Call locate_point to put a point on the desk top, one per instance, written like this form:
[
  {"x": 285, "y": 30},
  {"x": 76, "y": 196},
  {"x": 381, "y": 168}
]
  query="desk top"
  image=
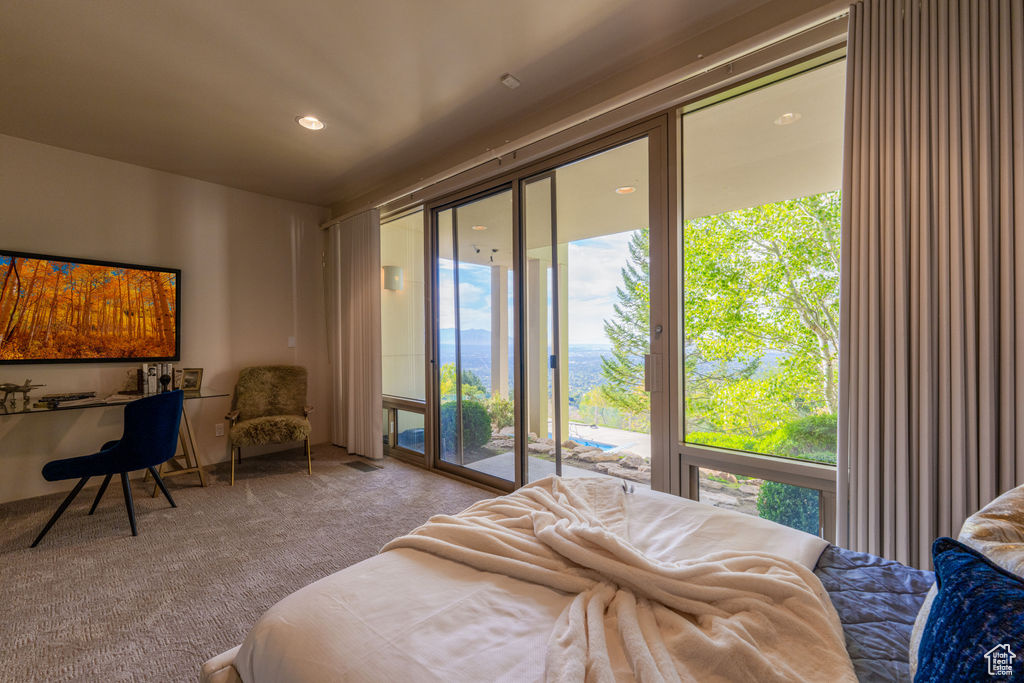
[{"x": 26, "y": 407}]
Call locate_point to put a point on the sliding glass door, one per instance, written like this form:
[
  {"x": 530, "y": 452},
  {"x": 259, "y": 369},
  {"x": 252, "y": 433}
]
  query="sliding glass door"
[
  {"x": 543, "y": 324},
  {"x": 474, "y": 342},
  {"x": 587, "y": 305}
]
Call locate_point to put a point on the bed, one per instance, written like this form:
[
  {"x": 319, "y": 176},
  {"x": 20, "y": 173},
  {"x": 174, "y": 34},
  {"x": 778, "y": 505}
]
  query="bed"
[{"x": 412, "y": 614}]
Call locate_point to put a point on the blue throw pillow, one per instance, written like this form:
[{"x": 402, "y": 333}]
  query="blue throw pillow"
[{"x": 975, "y": 630}]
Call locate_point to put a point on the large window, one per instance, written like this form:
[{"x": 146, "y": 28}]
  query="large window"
[
  {"x": 401, "y": 307},
  {"x": 761, "y": 209},
  {"x": 403, "y": 320}
]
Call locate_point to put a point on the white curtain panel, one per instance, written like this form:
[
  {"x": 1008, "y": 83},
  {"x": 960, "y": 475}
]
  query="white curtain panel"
[
  {"x": 353, "y": 334},
  {"x": 931, "y": 422}
]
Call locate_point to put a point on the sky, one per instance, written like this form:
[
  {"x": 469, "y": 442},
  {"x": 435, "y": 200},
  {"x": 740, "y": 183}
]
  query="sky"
[{"x": 595, "y": 270}]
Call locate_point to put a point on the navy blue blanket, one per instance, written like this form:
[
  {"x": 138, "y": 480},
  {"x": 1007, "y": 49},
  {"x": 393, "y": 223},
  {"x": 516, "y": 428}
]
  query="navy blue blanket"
[{"x": 877, "y": 601}]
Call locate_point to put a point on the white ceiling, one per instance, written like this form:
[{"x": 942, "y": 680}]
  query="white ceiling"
[
  {"x": 735, "y": 156},
  {"x": 211, "y": 89}
]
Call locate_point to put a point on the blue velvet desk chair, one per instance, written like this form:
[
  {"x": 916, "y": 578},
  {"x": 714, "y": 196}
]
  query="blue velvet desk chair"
[{"x": 150, "y": 438}]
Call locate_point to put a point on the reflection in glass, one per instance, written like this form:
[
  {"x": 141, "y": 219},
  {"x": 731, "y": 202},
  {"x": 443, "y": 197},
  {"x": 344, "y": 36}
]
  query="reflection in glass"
[
  {"x": 401, "y": 307},
  {"x": 410, "y": 431}
]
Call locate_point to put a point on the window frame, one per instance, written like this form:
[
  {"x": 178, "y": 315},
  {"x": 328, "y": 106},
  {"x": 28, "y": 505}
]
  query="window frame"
[
  {"x": 390, "y": 403},
  {"x": 394, "y": 404},
  {"x": 691, "y": 457}
]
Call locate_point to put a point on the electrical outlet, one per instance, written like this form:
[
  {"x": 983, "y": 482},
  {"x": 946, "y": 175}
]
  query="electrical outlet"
[
  {"x": 218, "y": 429},
  {"x": 291, "y": 342}
]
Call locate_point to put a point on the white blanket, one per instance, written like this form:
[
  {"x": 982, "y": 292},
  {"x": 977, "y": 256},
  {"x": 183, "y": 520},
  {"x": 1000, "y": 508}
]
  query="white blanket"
[
  {"x": 729, "y": 615},
  {"x": 414, "y": 616}
]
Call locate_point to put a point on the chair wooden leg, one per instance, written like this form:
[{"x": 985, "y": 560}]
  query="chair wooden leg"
[
  {"x": 309, "y": 459},
  {"x": 128, "y": 503},
  {"x": 233, "y": 449},
  {"x": 160, "y": 483},
  {"x": 60, "y": 511},
  {"x": 99, "y": 494}
]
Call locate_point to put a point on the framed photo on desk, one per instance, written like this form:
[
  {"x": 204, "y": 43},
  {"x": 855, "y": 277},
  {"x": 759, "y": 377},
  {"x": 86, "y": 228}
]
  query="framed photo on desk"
[{"x": 192, "y": 379}]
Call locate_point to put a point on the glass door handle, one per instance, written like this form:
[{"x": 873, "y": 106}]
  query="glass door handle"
[{"x": 652, "y": 372}]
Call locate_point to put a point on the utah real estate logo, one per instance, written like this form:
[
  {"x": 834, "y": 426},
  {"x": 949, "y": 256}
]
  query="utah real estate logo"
[{"x": 1000, "y": 660}]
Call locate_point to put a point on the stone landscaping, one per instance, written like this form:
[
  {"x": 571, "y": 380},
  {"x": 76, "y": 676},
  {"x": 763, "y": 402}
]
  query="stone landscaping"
[
  {"x": 725, "y": 490},
  {"x": 721, "y": 489}
]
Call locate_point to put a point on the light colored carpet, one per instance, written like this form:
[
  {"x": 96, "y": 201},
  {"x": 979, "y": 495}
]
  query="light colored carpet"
[{"x": 92, "y": 603}]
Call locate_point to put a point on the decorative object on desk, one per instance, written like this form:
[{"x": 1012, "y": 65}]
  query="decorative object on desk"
[
  {"x": 132, "y": 382},
  {"x": 192, "y": 379},
  {"x": 165, "y": 382},
  {"x": 269, "y": 407},
  {"x": 54, "y": 400},
  {"x": 9, "y": 388},
  {"x": 150, "y": 439},
  {"x": 137, "y": 319}
]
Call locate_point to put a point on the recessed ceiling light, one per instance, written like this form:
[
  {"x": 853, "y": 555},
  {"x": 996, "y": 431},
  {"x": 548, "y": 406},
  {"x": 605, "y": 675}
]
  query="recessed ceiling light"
[
  {"x": 510, "y": 81},
  {"x": 479, "y": 228},
  {"x": 787, "y": 118},
  {"x": 625, "y": 189},
  {"x": 310, "y": 122}
]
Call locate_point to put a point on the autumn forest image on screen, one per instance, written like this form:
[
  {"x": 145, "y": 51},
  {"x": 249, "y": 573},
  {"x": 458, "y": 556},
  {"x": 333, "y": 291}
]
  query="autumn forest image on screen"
[{"x": 62, "y": 310}]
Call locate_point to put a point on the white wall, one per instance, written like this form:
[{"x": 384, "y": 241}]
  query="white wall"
[
  {"x": 250, "y": 279},
  {"x": 403, "y": 360}
]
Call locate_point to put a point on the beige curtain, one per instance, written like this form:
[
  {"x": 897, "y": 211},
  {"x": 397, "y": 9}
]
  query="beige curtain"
[
  {"x": 932, "y": 354},
  {"x": 352, "y": 275}
]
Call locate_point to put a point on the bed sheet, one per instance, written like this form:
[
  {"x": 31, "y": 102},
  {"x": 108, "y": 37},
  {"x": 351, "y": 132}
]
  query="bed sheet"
[{"x": 408, "y": 615}]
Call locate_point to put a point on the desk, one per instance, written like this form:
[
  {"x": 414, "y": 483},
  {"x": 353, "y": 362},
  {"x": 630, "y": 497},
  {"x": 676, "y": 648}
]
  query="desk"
[{"x": 186, "y": 462}]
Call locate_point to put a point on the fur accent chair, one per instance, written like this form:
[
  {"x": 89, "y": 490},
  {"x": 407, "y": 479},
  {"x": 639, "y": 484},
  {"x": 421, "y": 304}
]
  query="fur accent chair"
[{"x": 269, "y": 407}]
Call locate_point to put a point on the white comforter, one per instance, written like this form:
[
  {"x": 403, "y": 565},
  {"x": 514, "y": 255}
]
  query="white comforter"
[{"x": 562, "y": 579}]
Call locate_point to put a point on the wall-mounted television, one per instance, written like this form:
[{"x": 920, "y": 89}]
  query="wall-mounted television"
[{"x": 63, "y": 310}]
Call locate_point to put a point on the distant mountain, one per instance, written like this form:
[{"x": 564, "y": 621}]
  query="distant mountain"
[
  {"x": 475, "y": 337},
  {"x": 467, "y": 338}
]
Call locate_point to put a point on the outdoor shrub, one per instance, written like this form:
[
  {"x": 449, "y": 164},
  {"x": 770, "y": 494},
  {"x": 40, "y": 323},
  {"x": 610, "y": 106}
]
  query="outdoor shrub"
[
  {"x": 803, "y": 438},
  {"x": 501, "y": 411},
  {"x": 736, "y": 442},
  {"x": 476, "y": 425},
  {"x": 793, "y": 506}
]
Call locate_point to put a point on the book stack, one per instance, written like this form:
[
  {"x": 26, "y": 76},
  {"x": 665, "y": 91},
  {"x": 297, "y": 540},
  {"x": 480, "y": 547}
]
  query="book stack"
[{"x": 149, "y": 377}]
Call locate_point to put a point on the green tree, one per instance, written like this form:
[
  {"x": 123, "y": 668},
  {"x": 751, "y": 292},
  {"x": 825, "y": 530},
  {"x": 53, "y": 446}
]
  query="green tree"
[
  {"x": 629, "y": 332},
  {"x": 594, "y": 404},
  {"x": 762, "y": 315},
  {"x": 501, "y": 410},
  {"x": 472, "y": 386}
]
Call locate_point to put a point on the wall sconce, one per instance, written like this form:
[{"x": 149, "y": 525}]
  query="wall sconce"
[{"x": 393, "y": 278}]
